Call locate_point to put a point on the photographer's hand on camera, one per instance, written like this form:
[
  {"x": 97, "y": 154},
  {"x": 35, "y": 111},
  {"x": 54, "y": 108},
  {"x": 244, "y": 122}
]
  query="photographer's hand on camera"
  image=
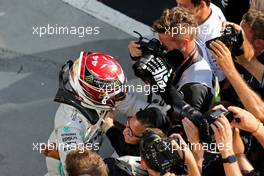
[
  {"x": 223, "y": 56},
  {"x": 185, "y": 153},
  {"x": 224, "y": 140},
  {"x": 223, "y": 136},
  {"x": 192, "y": 133},
  {"x": 134, "y": 49},
  {"x": 236, "y": 27},
  {"x": 248, "y": 123}
]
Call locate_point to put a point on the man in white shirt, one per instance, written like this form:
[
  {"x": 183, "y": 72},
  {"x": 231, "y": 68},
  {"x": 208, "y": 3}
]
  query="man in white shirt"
[{"x": 210, "y": 21}]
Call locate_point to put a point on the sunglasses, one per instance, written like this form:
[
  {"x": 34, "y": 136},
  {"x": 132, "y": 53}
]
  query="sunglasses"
[{"x": 130, "y": 131}]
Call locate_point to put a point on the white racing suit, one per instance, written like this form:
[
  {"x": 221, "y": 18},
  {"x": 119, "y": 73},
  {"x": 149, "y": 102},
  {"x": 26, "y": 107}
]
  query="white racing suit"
[{"x": 73, "y": 131}]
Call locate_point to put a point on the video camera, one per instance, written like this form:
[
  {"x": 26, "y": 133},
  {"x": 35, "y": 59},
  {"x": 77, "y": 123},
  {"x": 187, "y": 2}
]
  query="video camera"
[
  {"x": 159, "y": 154},
  {"x": 231, "y": 39}
]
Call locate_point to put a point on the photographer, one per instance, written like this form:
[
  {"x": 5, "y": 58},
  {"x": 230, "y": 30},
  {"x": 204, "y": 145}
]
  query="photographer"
[
  {"x": 252, "y": 25},
  {"x": 160, "y": 155},
  {"x": 194, "y": 76},
  {"x": 126, "y": 142},
  {"x": 210, "y": 19},
  {"x": 198, "y": 152}
]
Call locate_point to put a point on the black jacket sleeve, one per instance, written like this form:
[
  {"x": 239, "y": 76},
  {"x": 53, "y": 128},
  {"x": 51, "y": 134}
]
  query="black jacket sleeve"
[
  {"x": 197, "y": 95},
  {"x": 118, "y": 142}
]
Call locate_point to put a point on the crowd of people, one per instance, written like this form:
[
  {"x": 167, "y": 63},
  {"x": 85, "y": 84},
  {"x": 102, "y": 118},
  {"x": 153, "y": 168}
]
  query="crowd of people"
[{"x": 208, "y": 120}]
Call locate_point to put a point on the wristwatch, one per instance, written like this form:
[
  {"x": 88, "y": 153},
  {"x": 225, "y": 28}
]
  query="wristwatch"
[{"x": 230, "y": 159}]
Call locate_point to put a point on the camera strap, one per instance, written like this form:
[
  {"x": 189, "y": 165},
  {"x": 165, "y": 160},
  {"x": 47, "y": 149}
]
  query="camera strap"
[{"x": 190, "y": 60}]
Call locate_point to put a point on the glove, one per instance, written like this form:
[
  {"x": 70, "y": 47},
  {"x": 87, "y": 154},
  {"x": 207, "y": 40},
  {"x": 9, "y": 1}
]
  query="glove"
[{"x": 160, "y": 72}]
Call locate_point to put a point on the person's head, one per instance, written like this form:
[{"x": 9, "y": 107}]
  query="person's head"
[
  {"x": 97, "y": 80},
  {"x": 150, "y": 134},
  {"x": 137, "y": 124},
  {"x": 177, "y": 29},
  {"x": 197, "y": 7},
  {"x": 253, "y": 24},
  {"x": 85, "y": 162}
]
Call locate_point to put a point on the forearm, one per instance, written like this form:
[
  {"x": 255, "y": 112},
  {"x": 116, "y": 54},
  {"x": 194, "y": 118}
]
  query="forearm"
[
  {"x": 249, "y": 98},
  {"x": 244, "y": 164},
  {"x": 255, "y": 68},
  {"x": 231, "y": 169},
  {"x": 198, "y": 156},
  {"x": 192, "y": 167},
  {"x": 259, "y": 134}
]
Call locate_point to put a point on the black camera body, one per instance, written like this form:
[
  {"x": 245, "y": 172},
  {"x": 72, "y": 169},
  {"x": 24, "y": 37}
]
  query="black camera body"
[
  {"x": 180, "y": 109},
  {"x": 160, "y": 155},
  {"x": 231, "y": 39},
  {"x": 213, "y": 116},
  {"x": 151, "y": 49}
]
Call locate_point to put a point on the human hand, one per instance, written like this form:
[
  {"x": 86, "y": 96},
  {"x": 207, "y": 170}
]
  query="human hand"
[
  {"x": 247, "y": 121},
  {"x": 237, "y": 27},
  {"x": 181, "y": 147},
  {"x": 220, "y": 106},
  {"x": 169, "y": 174},
  {"x": 223, "y": 136},
  {"x": 222, "y": 55},
  {"x": 134, "y": 49},
  {"x": 108, "y": 121},
  {"x": 160, "y": 71},
  {"x": 191, "y": 131},
  {"x": 238, "y": 145}
]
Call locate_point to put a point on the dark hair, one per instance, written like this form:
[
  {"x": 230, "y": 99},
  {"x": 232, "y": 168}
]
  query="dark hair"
[
  {"x": 151, "y": 118},
  {"x": 255, "y": 19},
  {"x": 197, "y": 2},
  {"x": 85, "y": 162}
]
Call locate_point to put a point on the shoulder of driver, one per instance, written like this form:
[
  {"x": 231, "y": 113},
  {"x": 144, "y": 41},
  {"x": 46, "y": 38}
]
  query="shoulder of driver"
[{"x": 68, "y": 116}]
